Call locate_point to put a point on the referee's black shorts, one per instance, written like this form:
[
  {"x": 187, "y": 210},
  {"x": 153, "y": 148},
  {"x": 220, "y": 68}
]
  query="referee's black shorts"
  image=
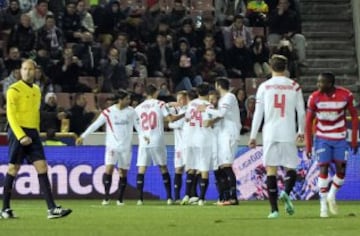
[{"x": 31, "y": 153}]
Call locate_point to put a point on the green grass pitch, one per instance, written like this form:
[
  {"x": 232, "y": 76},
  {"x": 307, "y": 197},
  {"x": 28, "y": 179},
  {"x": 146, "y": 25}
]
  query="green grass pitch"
[{"x": 156, "y": 218}]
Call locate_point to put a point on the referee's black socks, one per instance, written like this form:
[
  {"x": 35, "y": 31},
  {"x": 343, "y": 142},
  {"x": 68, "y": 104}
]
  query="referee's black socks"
[{"x": 46, "y": 190}]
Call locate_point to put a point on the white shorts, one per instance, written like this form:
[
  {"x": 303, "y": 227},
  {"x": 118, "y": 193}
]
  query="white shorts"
[
  {"x": 226, "y": 149},
  {"x": 151, "y": 155},
  {"x": 280, "y": 154},
  {"x": 199, "y": 158},
  {"x": 121, "y": 157},
  {"x": 179, "y": 156}
]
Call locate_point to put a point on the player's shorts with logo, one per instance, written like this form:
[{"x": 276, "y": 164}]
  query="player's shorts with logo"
[{"x": 327, "y": 151}]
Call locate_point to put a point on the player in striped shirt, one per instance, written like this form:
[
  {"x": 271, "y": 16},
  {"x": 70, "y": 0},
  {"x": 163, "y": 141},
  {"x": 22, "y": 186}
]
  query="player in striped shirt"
[
  {"x": 120, "y": 120},
  {"x": 327, "y": 107}
]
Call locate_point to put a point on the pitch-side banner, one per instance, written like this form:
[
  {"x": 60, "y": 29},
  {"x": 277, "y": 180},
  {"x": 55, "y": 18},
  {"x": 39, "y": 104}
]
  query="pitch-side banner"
[{"x": 76, "y": 172}]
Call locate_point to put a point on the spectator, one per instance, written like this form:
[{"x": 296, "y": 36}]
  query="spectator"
[
  {"x": 256, "y": 12},
  {"x": 138, "y": 91},
  {"x": 138, "y": 67},
  {"x": 12, "y": 78},
  {"x": 89, "y": 53},
  {"x": 165, "y": 94},
  {"x": 10, "y": 16},
  {"x": 241, "y": 98},
  {"x": 23, "y": 36},
  {"x": 260, "y": 57},
  {"x": 66, "y": 74},
  {"x": 209, "y": 43},
  {"x": 43, "y": 60},
  {"x": 238, "y": 60},
  {"x": 113, "y": 72},
  {"x": 250, "y": 109},
  {"x": 13, "y": 61},
  {"x": 56, "y": 7},
  {"x": 50, "y": 38},
  {"x": 38, "y": 14},
  {"x": 285, "y": 48},
  {"x": 121, "y": 44},
  {"x": 187, "y": 31},
  {"x": 86, "y": 18},
  {"x": 104, "y": 27},
  {"x": 284, "y": 23},
  {"x": 208, "y": 27},
  {"x": 210, "y": 69},
  {"x": 236, "y": 29},
  {"x": 177, "y": 15},
  {"x": 69, "y": 22},
  {"x": 80, "y": 119},
  {"x": 151, "y": 20},
  {"x": 43, "y": 81},
  {"x": 51, "y": 114},
  {"x": 164, "y": 29},
  {"x": 184, "y": 67},
  {"x": 160, "y": 57}
]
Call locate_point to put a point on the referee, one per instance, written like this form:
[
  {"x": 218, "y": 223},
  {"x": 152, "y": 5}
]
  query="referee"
[{"x": 23, "y": 100}]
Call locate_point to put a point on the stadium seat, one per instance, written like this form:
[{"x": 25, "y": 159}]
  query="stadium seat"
[
  {"x": 252, "y": 84},
  {"x": 101, "y": 100},
  {"x": 89, "y": 81},
  {"x": 64, "y": 100}
]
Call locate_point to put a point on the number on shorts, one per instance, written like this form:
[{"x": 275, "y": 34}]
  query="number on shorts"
[
  {"x": 280, "y": 104},
  {"x": 148, "y": 120},
  {"x": 195, "y": 118}
]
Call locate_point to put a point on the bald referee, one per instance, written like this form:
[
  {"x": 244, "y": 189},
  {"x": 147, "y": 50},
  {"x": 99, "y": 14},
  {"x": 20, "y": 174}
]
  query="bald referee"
[{"x": 23, "y": 100}]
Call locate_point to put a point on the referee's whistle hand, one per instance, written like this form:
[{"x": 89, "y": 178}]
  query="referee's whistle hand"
[{"x": 25, "y": 141}]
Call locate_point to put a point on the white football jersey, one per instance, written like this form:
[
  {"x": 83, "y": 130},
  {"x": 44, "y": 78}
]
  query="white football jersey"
[
  {"x": 231, "y": 120},
  {"x": 228, "y": 110},
  {"x": 177, "y": 126},
  {"x": 119, "y": 126},
  {"x": 196, "y": 134},
  {"x": 151, "y": 115},
  {"x": 278, "y": 100}
]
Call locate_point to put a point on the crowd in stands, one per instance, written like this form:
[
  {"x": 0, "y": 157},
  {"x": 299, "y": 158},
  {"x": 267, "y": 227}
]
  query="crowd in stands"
[{"x": 87, "y": 49}]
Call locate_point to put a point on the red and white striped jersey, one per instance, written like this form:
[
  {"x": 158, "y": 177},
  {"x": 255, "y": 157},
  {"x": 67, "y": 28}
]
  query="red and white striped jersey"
[
  {"x": 330, "y": 113},
  {"x": 151, "y": 113},
  {"x": 119, "y": 126}
]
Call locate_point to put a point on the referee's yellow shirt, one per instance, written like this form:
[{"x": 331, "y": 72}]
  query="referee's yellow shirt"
[{"x": 23, "y": 107}]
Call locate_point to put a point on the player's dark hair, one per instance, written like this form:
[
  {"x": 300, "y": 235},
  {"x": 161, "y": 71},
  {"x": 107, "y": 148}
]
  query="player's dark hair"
[
  {"x": 150, "y": 89},
  {"x": 278, "y": 63},
  {"x": 203, "y": 89},
  {"x": 214, "y": 92},
  {"x": 223, "y": 83},
  {"x": 192, "y": 93},
  {"x": 121, "y": 94},
  {"x": 329, "y": 77}
]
